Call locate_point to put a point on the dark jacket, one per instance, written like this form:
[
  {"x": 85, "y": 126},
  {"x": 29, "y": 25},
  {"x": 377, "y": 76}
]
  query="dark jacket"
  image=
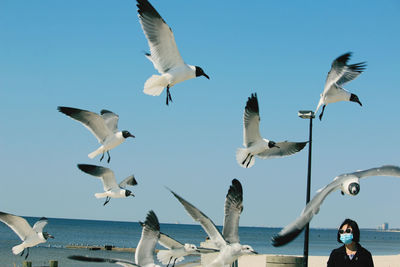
[{"x": 339, "y": 258}]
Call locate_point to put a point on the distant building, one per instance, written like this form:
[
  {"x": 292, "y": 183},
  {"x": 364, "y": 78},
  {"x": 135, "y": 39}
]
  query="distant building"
[{"x": 384, "y": 226}]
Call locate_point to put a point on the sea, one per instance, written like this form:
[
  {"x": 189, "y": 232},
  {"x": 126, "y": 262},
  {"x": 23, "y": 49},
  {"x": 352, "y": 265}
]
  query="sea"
[{"x": 127, "y": 234}]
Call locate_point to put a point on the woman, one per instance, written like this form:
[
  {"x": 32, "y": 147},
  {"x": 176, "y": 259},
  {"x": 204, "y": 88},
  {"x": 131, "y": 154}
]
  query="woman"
[{"x": 352, "y": 253}]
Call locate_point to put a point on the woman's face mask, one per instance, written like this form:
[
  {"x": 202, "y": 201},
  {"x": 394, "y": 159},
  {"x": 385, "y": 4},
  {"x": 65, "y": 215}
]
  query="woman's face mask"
[{"x": 346, "y": 238}]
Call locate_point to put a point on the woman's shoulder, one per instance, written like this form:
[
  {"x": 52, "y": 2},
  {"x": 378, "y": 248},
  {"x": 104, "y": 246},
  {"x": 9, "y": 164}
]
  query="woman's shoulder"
[
  {"x": 338, "y": 250},
  {"x": 363, "y": 250}
]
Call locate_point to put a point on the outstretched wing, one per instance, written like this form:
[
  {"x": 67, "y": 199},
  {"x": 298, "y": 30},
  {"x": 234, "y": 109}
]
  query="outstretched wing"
[
  {"x": 168, "y": 242},
  {"x": 111, "y": 119},
  {"x": 130, "y": 180},
  {"x": 205, "y": 222},
  {"x": 105, "y": 174},
  {"x": 233, "y": 209},
  {"x": 251, "y": 121},
  {"x": 39, "y": 225},
  {"x": 290, "y": 232},
  {"x": 92, "y": 121},
  {"x": 18, "y": 224},
  {"x": 282, "y": 149},
  {"x": 163, "y": 49},
  {"x": 150, "y": 235}
]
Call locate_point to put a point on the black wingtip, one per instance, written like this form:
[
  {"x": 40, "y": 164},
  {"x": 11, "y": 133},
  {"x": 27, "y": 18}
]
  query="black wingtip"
[
  {"x": 301, "y": 145},
  {"x": 67, "y": 110},
  {"x": 152, "y": 221},
  {"x": 280, "y": 240},
  {"x": 144, "y": 7},
  {"x": 85, "y": 258},
  {"x": 344, "y": 58},
  {"x": 252, "y": 103},
  {"x": 103, "y": 111},
  {"x": 87, "y": 168},
  {"x": 236, "y": 190}
]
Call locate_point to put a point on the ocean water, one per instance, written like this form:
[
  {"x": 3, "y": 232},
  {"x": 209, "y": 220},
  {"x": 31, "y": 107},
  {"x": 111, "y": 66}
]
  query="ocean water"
[{"x": 127, "y": 234}]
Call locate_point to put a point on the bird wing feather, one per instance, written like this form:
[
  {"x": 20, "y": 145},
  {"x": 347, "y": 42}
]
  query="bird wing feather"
[
  {"x": 18, "y": 224},
  {"x": 233, "y": 209},
  {"x": 282, "y": 149},
  {"x": 251, "y": 121}
]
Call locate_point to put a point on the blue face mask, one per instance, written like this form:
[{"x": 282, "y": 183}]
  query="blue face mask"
[{"x": 346, "y": 238}]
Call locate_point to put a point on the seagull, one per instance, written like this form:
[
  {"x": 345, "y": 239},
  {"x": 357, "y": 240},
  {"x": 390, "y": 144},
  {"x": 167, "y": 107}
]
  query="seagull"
[
  {"x": 348, "y": 184},
  {"x": 111, "y": 188},
  {"x": 31, "y": 236},
  {"x": 229, "y": 246},
  {"x": 254, "y": 144},
  {"x": 163, "y": 54},
  {"x": 144, "y": 251},
  {"x": 177, "y": 251},
  {"x": 340, "y": 74},
  {"x": 104, "y": 127}
]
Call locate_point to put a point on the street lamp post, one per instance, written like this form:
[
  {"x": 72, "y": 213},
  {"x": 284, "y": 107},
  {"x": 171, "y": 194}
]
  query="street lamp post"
[{"x": 307, "y": 114}]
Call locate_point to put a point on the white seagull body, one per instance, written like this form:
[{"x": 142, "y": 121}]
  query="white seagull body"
[
  {"x": 164, "y": 53},
  {"x": 31, "y": 236},
  {"x": 144, "y": 250},
  {"x": 177, "y": 251},
  {"x": 340, "y": 74},
  {"x": 104, "y": 127},
  {"x": 111, "y": 188},
  {"x": 229, "y": 246},
  {"x": 257, "y": 146},
  {"x": 348, "y": 183}
]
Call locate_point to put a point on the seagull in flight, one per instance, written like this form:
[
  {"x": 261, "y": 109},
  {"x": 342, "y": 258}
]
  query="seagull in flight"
[
  {"x": 340, "y": 74},
  {"x": 254, "y": 144},
  {"x": 111, "y": 188},
  {"x": 31, "y": 236},
  {"x": 228, "y": 242},
  {"x": 163, "y": 54},
  {"x": 144, "y": 251},
  {"x": 176, "y": 251},
  {"x": 348, "y": 184},
  {"x": 104, "y": 127}
]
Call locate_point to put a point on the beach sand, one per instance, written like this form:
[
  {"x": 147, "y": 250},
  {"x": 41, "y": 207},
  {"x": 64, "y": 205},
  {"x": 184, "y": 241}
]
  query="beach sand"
[{"x": 379, "y": 261}]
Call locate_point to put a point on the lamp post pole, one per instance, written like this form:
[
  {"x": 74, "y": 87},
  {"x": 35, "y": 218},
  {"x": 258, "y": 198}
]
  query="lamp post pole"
[{"x": 306, "y": 114}]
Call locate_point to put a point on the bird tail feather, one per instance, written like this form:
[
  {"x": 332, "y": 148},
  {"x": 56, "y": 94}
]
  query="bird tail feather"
[
  {"x": 155, "y": 85},
  {"x": 243, "y": 158},
  {"x": 96, "y": 152},
  {"x": 18, "y": 249},
  {"x": 99, "y": 195}
]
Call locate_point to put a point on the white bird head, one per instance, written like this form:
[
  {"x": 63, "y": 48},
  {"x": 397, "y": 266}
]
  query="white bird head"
[
  {"x": 190, "y": 248},
  {"x": 351, "y": 186},
  {"x": 246, "y": 249}
]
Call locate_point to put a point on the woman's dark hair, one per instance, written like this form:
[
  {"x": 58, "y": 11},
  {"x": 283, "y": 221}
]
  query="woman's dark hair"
[{"x": 354, "y": 227}]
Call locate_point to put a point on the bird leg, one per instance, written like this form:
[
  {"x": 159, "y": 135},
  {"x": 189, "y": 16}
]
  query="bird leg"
[
  {"x": 322, "y": 112},
  {"x": 169, "y": 98},
  {"x": 174, "y": 262},
  {"x": 245, "y": 159},
  {"x": 251, "y": 157},
  {"x": 107, "y": 200},
  {"x": 22, "y": 253},
  {"x": 169, "y": 261},
  {"x": 27, "y": 254},
  {"x": 109, "y": 157},
  {"x": 102, "y": 157}
]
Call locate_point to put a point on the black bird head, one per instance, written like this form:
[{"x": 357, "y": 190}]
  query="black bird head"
[
  {"x": 200, "y": 72},
  {"x": 354, "y": 98},
  {"x": 47, "y": 235},
  {"x": 128, "y": 193},
  {"x": 272, "y": 144},
  {"x": 127, "y": 134}
]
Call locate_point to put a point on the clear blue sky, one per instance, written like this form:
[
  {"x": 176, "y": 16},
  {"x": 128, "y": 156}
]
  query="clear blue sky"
[{"x": 89, "y": 55}]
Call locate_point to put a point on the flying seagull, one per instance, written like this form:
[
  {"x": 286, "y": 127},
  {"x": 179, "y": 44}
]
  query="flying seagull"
[
  {"x": 104, "y": 127},
  {"x": 111, "y": 188},
  {"x": 31, "y": 236},
  {"x": 348, "y": 183},
  {"x": 254, "y": 144},
  {"x": 340, "y": 74},
  {"x": 228, "y": 244},
  {"x": 144, "y": 251},
  {"x": 176, "y": 251},
  {"x": 163, "y": 54}
]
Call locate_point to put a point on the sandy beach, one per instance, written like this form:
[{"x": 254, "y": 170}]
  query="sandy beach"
[{"x": 379, "y": 261}]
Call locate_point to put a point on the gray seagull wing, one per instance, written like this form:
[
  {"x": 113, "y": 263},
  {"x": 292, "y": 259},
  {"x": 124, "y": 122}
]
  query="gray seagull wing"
[
  {"x": 130, "y": 180},
  {"x": 291, "y": 231},
  {"x": 233, "y": 209},
  {"x": 39, "y": 225},
  {"x": 105, "y": 174},
  {"x": 163, "y": 49},
  {"x": 282, "y": 149},
  {"x": 168, "y": 242},
  {"x": 251, "y": 121},
  {"x": 111, "y": 120},
  {"x": 18, "y": 224},
  {"x": 147, "y": 243},
  {"x": 205, "y": 222},
  {"x": 92, "y": 121}
]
